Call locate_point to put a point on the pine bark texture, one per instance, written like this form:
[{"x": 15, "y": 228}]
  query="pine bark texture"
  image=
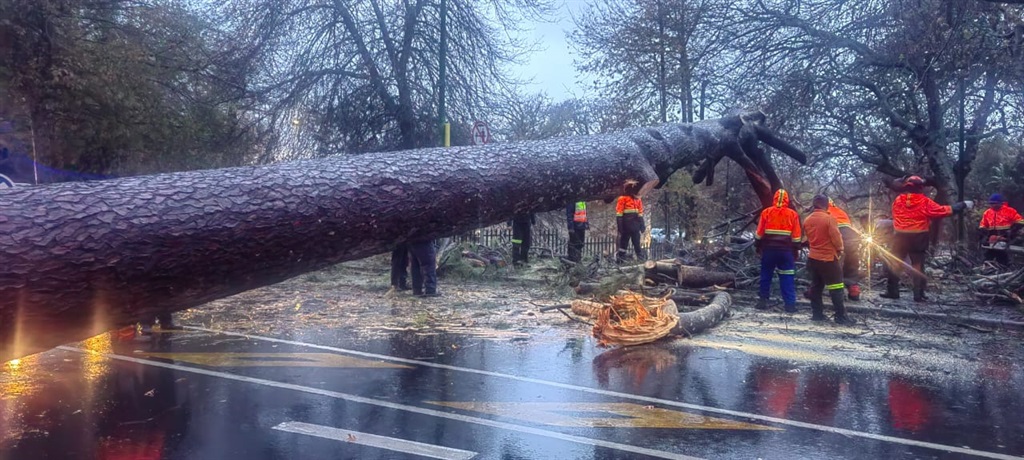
[
  {"x": 80, "y": 258},
  {"x": 696, "y": 321}
]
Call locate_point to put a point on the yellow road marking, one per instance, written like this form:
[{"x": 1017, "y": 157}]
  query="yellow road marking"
[
  {"x": 274, "y": 360},
  {"x": 601, "y": 415}
]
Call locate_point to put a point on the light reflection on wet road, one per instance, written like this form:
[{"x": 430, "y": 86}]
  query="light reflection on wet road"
[{"x": 223, "y": 396}]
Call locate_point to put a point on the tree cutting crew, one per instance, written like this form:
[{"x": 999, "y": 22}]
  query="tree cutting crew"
[
  {"x": 629, "y": 218},
  {"x": 824, "y": 260},
  {"x": 576, "y": 215},
  {"x": 778, "y": 241},
  {"x": 912, "y": 213},
  {"x": 999, "y": 225},
  {"x": 851, "y": 256}
]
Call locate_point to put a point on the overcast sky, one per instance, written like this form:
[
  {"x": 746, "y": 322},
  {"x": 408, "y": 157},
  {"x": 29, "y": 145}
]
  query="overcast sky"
[{"x": 552, "y": 68}]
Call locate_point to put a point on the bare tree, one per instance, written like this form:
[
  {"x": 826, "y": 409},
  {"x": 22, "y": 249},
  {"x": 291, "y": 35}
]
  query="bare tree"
[
  {"x": 887, "y": 82},
  {"x": 362, "y": 75},
  {"x": 651, "y": 53}
]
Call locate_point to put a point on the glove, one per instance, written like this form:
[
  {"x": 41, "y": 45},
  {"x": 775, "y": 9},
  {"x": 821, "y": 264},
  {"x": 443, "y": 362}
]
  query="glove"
[{"x": 959, "y": 207}]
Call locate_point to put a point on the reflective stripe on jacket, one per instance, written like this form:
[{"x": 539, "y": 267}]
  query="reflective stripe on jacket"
[
  {"x": 823, "y": 236},
  {"x": 842, "y": 218},
  {"x": 580, "y": 214},
  {"x": 913, "y": 213},
  {"x": 1001, "y": 219},
  {"x": 629, "y": 205},
  {"x": 779, "y": 225},
  {"x": 572, "y": 214}
]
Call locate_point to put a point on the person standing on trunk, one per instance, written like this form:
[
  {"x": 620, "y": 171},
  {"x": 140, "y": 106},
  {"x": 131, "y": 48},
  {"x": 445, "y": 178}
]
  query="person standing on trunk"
[
  {"x": 851, "y": 256},
  {"x": 576, "y": 215},
  {"x": 778, "y": 242},
  {"x": 629, "y": 219},
  {"x": 824, "y": 260},
  {"x": 912, "y": 213},
  {"x": 522, "y": 238}
]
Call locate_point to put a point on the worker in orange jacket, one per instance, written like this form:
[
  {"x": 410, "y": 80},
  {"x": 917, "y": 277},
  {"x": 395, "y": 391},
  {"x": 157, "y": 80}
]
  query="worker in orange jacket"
[
  {"x": 778, "y": 242},
  {"x": 629, "y": 218},
  {"x": 824, "y": 261},
  {"x": 912, "y": 213},
  {"x": 851, "y": 256},
  {"x": 999, "y": 224}
]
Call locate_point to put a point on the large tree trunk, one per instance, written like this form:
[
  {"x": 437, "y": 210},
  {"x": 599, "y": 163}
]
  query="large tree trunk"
[{"x": 81, "y": 258}]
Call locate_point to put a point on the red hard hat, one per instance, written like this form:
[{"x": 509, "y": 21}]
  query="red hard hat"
[{"x": 914, "y": 180}]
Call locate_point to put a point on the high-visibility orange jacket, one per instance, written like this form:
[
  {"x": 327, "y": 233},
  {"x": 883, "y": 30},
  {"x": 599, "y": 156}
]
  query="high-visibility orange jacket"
[
  {"x": 1001, "y": 219},
  {"x": 779, "y": 226},
  {"x": 629, "y": 205},
  {"x": 913, "y": 213},
  {"x": 842, "y": 218},
  {"x": 823, "y": 236}
]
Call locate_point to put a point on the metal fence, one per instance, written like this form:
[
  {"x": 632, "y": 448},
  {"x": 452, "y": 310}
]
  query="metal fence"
[{"x": 557, "y": 243}]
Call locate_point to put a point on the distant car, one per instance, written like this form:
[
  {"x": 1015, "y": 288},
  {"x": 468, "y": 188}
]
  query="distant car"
[{"x": 659, "y": 235}]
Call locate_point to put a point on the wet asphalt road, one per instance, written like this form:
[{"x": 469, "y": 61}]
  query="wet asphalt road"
[{"x": 207, "y": 395}]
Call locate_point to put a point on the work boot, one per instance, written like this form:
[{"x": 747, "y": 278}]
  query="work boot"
[
  {"x": 790, "y": 308},
  {"x": 844, "y": 320},
  {"x": 430, "y": 293},
  {"x": 818, "y": 316},
  {"x": 762, "y": 304},
  {"x": 838, "y": 296},
  {"x": 854, "y": 292},
  {"x": 891, "y": 292},
  {"x": 417, "y": 293},
  {"x": 402, "y": 287}
]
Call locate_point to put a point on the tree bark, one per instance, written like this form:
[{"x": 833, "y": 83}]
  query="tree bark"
[
  {"x": 81, "y": 258},
  {"x": 693, "y": 322}
]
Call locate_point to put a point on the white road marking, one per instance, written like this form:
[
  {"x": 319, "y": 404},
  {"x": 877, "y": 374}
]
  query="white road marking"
[
  {"x": 372, "y": 440},
  {"x": 666, "y": 402},
  {"x": 396, "y": 406}
]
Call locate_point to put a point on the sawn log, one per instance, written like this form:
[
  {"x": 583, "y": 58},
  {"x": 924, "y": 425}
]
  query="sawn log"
[
  {"x": 696, "y": 321},
  {"x": 81, "y": 258}
]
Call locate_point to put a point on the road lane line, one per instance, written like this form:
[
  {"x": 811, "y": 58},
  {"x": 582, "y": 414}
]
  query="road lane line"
[
  {"x": 396, "y": 406},
  {"x": 748, "y": 415},
  {"x": 372, "y": 440}
]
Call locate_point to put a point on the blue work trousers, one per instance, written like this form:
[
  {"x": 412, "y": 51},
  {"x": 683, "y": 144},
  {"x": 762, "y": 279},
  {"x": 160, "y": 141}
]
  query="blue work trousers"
[{"x": 781, "y": 261}]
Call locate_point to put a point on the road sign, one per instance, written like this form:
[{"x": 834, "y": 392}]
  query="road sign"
[{"x": 481, "y": 133}]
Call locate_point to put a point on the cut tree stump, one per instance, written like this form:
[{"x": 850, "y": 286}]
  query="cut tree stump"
[{"x": 82, "y": 258}]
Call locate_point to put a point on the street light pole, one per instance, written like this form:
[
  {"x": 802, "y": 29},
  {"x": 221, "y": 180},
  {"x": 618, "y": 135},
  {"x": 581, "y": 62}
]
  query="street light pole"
[{"x": 442, "y": 78}]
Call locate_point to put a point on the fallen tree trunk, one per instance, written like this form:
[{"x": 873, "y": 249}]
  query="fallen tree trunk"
[
  {"x": 697, "y": 321},
  {"x": 79, "y": 259},
  {"x": 685, "y": 275},
  {"x": 697, "y": 277}
]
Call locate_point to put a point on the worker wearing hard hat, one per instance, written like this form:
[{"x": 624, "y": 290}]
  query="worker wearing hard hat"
[
  {"x": 998, "y": 226},
  {"x": 912, "y": 213}
]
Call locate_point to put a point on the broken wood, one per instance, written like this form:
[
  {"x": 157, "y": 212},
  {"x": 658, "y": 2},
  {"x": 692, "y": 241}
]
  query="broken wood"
[
  {"x": 686, "y": 275},
  {"x": 82, "y": 258},
  {"x": 697, "y": 277},
  {"x": 694, "y": 322}
]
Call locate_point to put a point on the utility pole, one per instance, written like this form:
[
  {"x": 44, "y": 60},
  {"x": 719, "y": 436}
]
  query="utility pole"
[{"x": 442, "y": 78}]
